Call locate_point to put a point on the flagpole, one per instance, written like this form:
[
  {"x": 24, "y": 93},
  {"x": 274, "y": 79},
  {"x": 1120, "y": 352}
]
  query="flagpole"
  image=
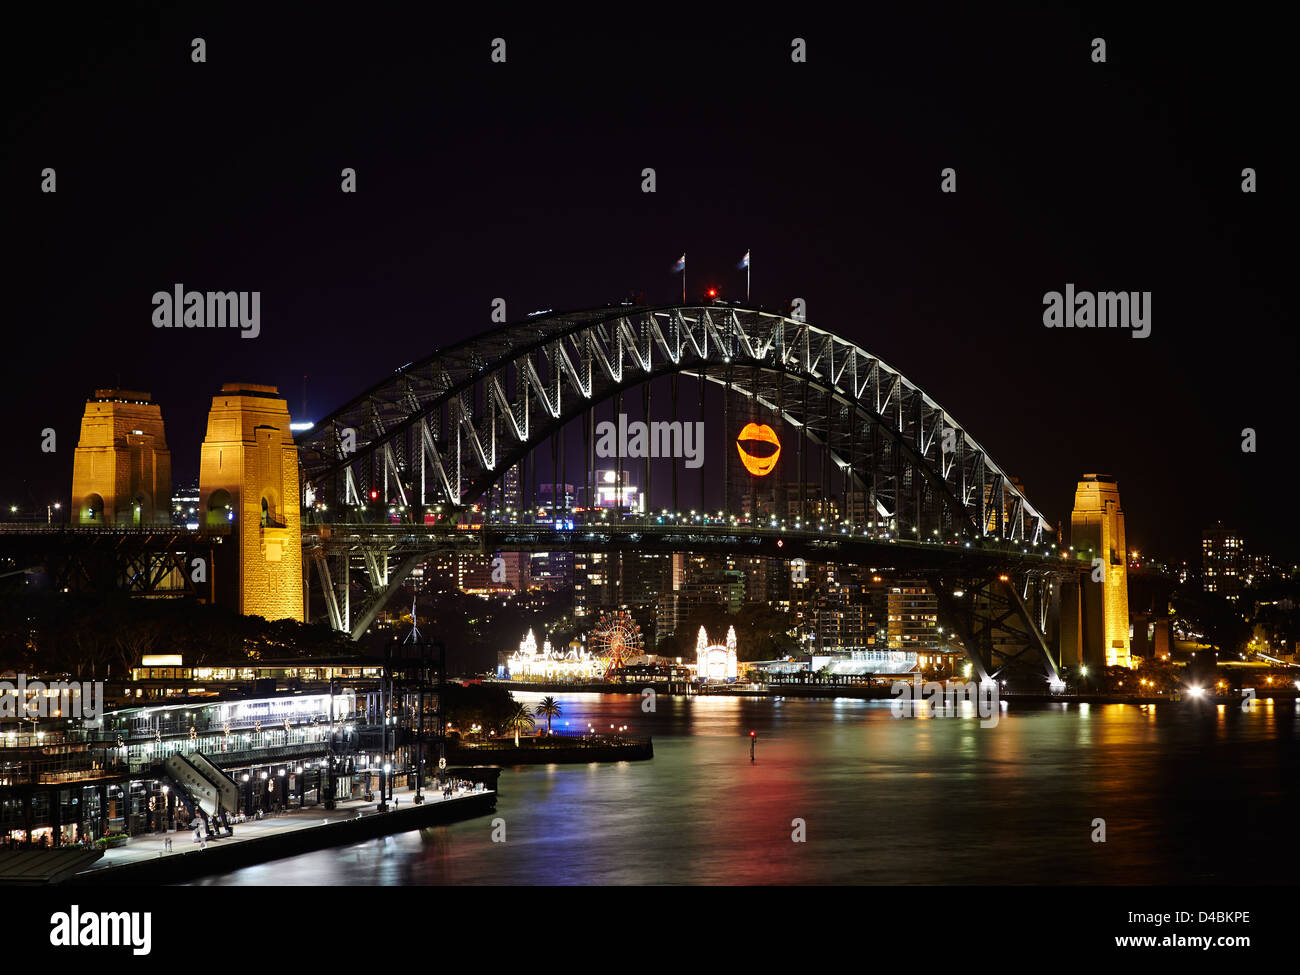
[
  {"x": 683, "y": 277},
  {"x": 748, "y": 261}
]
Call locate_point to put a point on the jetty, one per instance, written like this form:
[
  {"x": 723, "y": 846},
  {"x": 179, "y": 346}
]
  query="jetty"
[{"x": 175, "y": 856}]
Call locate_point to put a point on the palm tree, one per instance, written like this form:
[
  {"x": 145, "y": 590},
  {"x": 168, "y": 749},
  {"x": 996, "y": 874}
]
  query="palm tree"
[
  {"x": 519, "y": 719},
  {"x": 551, "y": 709}
]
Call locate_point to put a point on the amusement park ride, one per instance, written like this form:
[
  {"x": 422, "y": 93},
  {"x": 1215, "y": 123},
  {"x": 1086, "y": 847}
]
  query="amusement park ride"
[{"x": 616, "y": 640}]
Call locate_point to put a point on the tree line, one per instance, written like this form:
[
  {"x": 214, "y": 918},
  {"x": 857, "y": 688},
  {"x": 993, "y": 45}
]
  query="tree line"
[{"x": 102, "y": 636}]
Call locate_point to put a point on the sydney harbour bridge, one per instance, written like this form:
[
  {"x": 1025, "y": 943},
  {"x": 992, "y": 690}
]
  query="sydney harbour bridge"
[
  {"x": 415, "y": 466},
  {"x": 389, "y": 475}
]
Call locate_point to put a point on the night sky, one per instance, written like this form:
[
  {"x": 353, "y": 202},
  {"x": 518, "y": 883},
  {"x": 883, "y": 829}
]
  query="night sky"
[{"x": 523, "y": 181}]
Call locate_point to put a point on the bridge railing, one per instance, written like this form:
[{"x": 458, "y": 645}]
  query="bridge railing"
[
  {"x": 633, "y": 529},
  {"x": 37, "y": 528}
]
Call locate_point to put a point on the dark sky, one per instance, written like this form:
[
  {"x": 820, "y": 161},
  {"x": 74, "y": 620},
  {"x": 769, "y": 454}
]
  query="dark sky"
[{"x": 522, "y": 181}]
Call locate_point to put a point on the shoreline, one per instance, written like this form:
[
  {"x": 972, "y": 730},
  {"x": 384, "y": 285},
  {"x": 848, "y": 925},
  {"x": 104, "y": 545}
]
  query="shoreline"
[
  {"x": 280, "y": 837},
  {"x": 543, "y": 752},
  {"x": 882, "y": 693}
]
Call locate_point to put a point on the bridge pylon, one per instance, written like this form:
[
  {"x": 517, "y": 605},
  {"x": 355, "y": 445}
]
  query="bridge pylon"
[
  {"x": 248, "y": 481},
  {"x": 122, "y": 469},
  {"x": 1095, "y": 615}
]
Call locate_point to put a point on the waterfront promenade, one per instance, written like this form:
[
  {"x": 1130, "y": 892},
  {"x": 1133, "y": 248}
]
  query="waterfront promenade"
[{"x": 147, "y": 858}]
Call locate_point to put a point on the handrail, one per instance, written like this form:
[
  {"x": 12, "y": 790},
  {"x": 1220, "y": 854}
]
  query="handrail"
[{"x": 40, "y": 528}]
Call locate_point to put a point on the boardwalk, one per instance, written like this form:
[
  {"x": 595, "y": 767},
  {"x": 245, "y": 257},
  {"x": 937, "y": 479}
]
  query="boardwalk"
[{"x": 285, "y": 825}]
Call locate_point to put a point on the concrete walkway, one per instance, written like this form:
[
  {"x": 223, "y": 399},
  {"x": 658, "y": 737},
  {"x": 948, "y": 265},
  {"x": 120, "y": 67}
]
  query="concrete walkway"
[{"x": 152, "y": 846}]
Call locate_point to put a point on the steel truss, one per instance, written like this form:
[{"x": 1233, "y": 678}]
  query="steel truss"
[
  {"x": 438, "y": 433},
  {"x": 140, "y": 562},
  {"x": 432, "y": 439}
]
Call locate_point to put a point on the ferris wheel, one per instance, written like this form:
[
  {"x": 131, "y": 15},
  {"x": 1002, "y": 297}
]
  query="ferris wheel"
[{"x": 616, "y": 639}]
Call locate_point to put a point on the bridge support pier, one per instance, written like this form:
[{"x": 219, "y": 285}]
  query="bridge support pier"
[{"x": 1000, "y": 618}]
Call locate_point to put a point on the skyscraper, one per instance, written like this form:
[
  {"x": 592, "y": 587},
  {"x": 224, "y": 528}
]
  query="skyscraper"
[
  {"x": 913, "y": 616},
  {"x": 1223, "y": 561}
]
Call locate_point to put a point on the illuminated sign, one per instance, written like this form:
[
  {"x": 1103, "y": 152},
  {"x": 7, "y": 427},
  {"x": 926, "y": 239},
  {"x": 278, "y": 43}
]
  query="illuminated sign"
[{"x": 758, "y": 465}]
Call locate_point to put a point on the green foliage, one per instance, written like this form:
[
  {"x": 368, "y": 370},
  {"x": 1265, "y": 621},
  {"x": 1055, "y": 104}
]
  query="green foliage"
[
  {"x": 520, "y": 718},
  {"x": 1161, "y": 676},
  {"x": 487, "y": 705},
  {"x": 761, "y": 631},
  {"x": 103, "y": 636},
  {"x": 551, "y": 708},
  {"x": 475, "y": 629},
  {"x": 1220, "y": 620},
  {"x": 670, "y": 646}
]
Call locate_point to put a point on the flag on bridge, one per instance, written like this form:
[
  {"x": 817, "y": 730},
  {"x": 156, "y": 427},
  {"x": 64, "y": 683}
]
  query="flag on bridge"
[
  {"x": 681, "y": 264},
  {"x": 744, "y": 261}
]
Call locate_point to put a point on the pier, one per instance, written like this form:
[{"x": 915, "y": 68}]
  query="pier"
[{"x": 147, "y": 860}]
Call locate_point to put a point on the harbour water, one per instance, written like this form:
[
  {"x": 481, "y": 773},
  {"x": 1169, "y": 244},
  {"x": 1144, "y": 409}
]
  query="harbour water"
[{"x": 1190, "y": 793}]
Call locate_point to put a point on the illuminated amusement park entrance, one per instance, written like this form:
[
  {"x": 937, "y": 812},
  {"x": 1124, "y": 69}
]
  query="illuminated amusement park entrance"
[{"x": 716, "y": 661}]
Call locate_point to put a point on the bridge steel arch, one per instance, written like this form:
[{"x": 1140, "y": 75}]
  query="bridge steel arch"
[
  {"x": 433, "y": 437},
  {"x": 438, "y": 432}
]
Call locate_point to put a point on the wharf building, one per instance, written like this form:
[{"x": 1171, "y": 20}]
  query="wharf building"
[{"x": 153, "y": 767}]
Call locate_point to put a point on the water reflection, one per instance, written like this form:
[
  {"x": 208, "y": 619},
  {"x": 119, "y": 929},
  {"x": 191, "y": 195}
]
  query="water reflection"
[{"x": 884, "y": 800}]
